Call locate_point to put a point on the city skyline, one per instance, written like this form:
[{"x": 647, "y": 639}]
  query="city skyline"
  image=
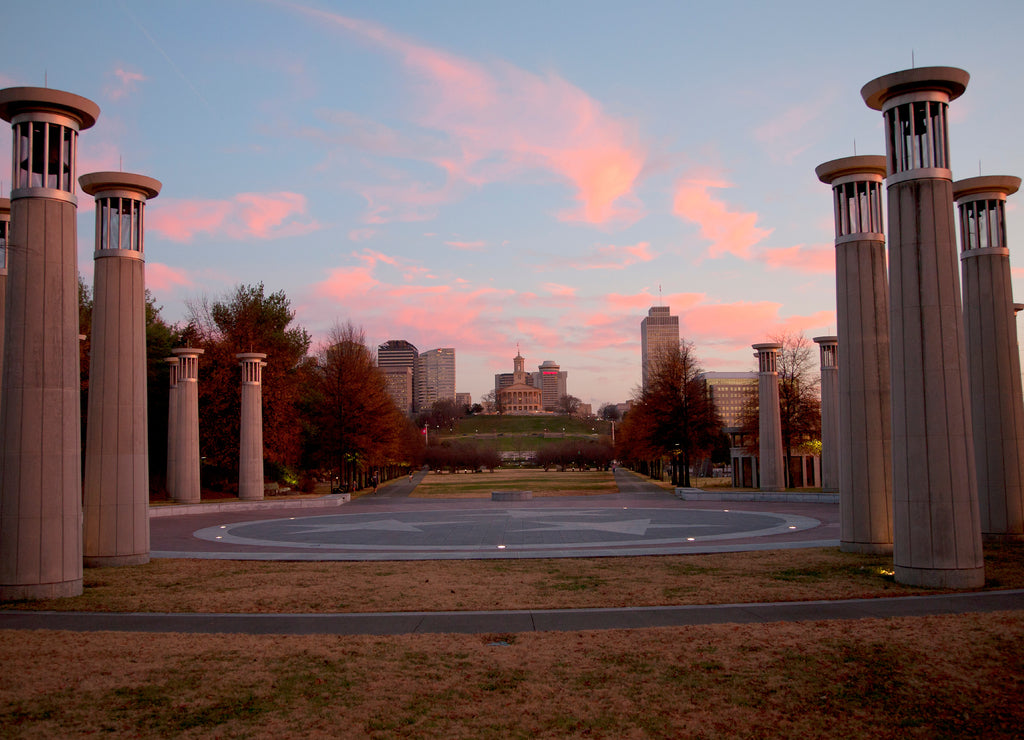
[{"x": 474, "y": 178}]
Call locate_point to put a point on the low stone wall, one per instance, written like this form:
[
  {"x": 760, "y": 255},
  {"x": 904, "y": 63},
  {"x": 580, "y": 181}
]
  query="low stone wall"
[
  {"x": 696, "y": 494},
  {"x": 322, "y": 502},
  {"x": 511, "y": 495}
]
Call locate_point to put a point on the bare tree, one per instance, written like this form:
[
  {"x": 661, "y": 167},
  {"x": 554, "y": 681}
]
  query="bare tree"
[
  {"x": 568, "y": 405},
  {"x": 674, "y": 414}
]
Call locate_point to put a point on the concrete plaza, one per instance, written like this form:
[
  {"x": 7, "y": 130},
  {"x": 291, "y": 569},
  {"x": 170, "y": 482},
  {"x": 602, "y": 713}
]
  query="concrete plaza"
[{"x": 641, "y": 519}]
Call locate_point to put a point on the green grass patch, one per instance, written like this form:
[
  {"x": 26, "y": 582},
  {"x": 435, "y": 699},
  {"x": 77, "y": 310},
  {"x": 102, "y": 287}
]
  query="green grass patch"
[
  {"x": 540, "y": 483},
  {"x": 551, "y": 423}
]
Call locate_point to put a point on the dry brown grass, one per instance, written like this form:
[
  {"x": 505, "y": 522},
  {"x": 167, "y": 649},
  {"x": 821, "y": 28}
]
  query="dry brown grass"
[
  {"x": 255, "y": 586},
  {"x": 925, "y": 677},
  {"x": 949, "y": 676}
]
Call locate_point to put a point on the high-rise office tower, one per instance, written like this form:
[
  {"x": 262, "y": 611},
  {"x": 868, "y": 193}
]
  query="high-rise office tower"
[
  {"x": 435, "y": 377},
  {"x": 659, "y": 333},
  {"x": 397, "y": 353},
  {"x": 396, "y": 359},
  {"x": 552, "y": 383}
]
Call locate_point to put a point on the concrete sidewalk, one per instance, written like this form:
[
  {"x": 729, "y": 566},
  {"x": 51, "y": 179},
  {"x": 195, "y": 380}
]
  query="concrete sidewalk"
[{"x": 534, "y": 620}]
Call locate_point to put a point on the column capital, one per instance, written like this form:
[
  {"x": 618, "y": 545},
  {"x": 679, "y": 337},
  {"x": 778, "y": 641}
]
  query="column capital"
[
  {"x": 987, "y": 187},
  {"x": 861, "y": 167},
  {"x": 15, "y": 101},
  {"x": 948, "y": 81},
  {"x": 120, "y": 184}
]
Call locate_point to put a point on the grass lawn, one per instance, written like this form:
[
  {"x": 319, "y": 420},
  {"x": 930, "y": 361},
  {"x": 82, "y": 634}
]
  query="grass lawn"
[
  {"x": 480, "y": 485},
  {"x": 506, "y": 424},
  {"x": 925, "y": 677}
]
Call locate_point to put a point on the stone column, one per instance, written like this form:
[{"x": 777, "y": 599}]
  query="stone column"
[
  {"x": 936, "y": 526},
  {"x": 769, "y": 421},
  {"x": 172, "y": 424},
  {"x": 990, "y": 329},
  {"x": 862, "y": 315},
  {"x": 40, "y": 411},
  {"x": 830, "y": 452},
  {"x": 115, "y": 492},
  {"x": 186, "y": 453},
  {"x": 250, "y": 456},
  {"x": 5, "y": 226}
]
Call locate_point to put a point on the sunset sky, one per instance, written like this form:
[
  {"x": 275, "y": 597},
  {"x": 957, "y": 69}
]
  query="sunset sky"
[{"x": 480, "y": 174}]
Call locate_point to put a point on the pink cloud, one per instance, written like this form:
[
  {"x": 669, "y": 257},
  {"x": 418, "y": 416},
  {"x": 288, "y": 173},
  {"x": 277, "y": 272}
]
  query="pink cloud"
[
  {"x": 728, "y": 231},
  {"x": 245, "y": 216},
  {"x": 498, "y": 120},
  {"x": 564, "y": 291},
  {"x": 163, "y": 278},
  {"x": 814, "y": 259},
  {"x": 609, "y": 257},
  {"x": 736, "y": 325},
  {"x": 640, "y": 302},
  {"x": 124, "y": 84},
  {"x": 468, "y": 246}
]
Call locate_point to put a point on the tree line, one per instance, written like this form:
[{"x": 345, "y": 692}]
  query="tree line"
[
  {"x": 326, "y": 410},
  {"x": 673, "y": 419}
]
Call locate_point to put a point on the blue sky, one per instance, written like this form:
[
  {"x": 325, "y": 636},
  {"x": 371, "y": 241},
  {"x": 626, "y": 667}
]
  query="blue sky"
[{"x": 481, "y": 175}]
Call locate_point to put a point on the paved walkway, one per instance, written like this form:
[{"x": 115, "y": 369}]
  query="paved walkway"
[{"x": 534, "y": 620}]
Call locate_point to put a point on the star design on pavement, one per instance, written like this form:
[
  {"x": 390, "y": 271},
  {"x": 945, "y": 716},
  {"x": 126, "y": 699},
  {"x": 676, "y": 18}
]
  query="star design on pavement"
[
  {"x": 636, "y": 527},
  {"x": 379, "y": 525}
]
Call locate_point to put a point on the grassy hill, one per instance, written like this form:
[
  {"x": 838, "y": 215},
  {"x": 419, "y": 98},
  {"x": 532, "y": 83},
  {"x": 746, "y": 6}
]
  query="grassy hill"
[
  {"x": 552, "y": 424},
  {"x": 521, "y": 433}
]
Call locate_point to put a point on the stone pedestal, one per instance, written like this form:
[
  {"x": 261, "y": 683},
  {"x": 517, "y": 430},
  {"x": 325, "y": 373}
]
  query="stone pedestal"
[
  {"x": 990, "y": 330},
  {"x": 769, "y": 419},
  {"x": 116, "y": 485},
  {"x": 186, "y": 451},
  {"x": 40, "y": 410},
  {"x": 862, "y": 317},
  {"x": 936, "y": 527},
  {"x": 250, "y": 435},
  {"x": 830, "y": 452}
]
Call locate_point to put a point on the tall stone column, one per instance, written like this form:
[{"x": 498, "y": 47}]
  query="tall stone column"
[
  {"x": 936, "y": 526},
  {"x": 186, "y": 453},
  {"x": 990, "y": 329},
  {"x": 862, "y": 315},
  {"x": 769, "y": 421},
  {"x": 5, "y": 227},
  {"x": 115, "y": 493},
  {"x": 250, "y": 457},
  {"x": 172, "y": 424},
  {"x": 40, "y": 412},
  {"x": 830, "y": 452}
]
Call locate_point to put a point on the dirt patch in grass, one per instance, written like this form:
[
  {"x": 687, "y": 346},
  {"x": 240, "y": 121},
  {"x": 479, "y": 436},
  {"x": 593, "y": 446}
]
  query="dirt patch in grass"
[
  {"x": 944, "y": 676},
  {"x": 260, "y": 587},
  {"x": 541, "y": 483}
]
